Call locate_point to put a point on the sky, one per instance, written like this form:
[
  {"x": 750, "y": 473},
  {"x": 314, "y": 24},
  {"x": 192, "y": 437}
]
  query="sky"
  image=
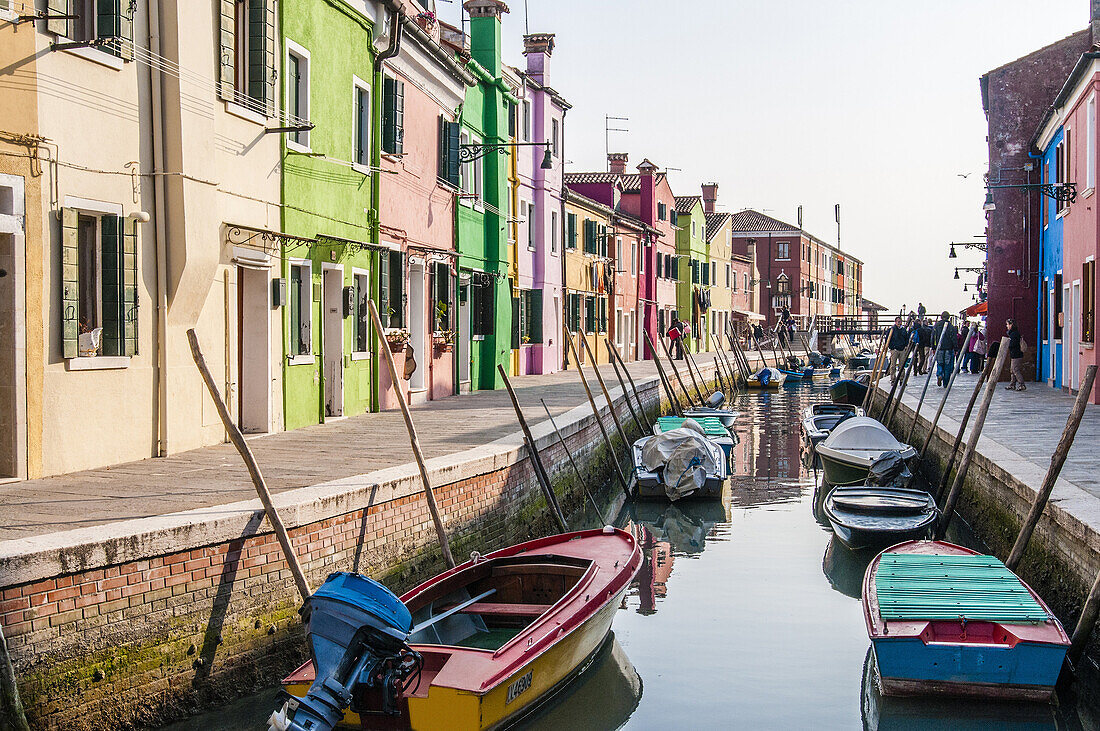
[{"x": 873, "y": 104}]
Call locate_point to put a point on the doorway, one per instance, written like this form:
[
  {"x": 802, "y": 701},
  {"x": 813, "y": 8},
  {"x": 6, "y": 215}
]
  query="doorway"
[
  {"x": 9, "y": 381},
  {"x": 1074, "y": 340},
  {"x": 332, "y": 343},
  {"x": 417, "y": 326},
  {"x": 464, "y": 335},
  {"x": 1053, "y": 356},
  {"x": 253, "y": 350}
]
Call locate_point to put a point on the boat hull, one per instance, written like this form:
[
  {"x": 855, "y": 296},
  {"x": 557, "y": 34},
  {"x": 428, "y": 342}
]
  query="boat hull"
[
  {"x": 858, "y": 539},
  {"x": 839, "y": 472},
  {"x": 848, "y": 391}
]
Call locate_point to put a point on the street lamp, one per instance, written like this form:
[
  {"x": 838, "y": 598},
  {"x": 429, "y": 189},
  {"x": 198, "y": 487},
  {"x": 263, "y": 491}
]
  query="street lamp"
[
  {"x": 478, "y": 150},
  {"x": 952, "y": 255},
  {"x": 989, "y": 204}
]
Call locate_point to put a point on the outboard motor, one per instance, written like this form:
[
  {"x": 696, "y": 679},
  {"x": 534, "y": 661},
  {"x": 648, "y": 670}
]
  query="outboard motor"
[
  {"x": 889, "y": 470},
  {"x": 716, "y": 399},
  {"x": 359, "y": 634}
]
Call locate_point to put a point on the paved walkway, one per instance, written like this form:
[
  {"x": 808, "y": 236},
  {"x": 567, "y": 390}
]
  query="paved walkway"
[
  {"x": 1029, "y": 423},
  {"x": 300, "y": 458}
]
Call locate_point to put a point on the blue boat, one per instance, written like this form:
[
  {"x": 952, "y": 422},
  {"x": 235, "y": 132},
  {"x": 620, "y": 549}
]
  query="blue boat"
[{"x": 945, "y": 620}]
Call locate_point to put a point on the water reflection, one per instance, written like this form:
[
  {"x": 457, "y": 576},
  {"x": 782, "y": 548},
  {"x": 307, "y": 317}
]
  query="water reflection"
[{"x": 845, "y": 568}]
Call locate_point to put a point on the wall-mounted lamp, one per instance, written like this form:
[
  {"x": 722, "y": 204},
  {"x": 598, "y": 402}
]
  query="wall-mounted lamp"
[{"x": 139, "y": 216}]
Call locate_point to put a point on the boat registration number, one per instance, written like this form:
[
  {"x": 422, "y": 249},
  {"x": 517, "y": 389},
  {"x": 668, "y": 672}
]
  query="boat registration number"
[{"x": 516, "y": 689}]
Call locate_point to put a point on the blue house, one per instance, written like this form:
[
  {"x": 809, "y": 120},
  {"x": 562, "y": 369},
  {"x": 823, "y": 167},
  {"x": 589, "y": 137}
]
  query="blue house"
[{"x": 1049, "y": 297}]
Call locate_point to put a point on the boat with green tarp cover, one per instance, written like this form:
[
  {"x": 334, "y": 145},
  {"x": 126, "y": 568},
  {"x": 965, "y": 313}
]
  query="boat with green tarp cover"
[
  {"x": 711, "y": 428},
  {"x": 947, "y": 620}
]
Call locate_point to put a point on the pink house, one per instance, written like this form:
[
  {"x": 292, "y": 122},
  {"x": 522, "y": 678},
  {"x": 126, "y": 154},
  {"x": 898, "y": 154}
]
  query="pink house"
[
  {"x": 540, "y": 119},
  {"x": 417, "y": 213}
]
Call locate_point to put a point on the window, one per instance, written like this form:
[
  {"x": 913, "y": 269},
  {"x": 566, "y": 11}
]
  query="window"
[
  {"x": 673, "y": 217},
  {"x": 530, "y": 308},
  {"x": 449, "y": 140},
  {"x": 662, "y": 211},
  {"x": 714, "y": 272},
  {"x": 526, "y": 121},
  {"x": 672, "y": 264},
  {"x": 99, "y": 282},
  {"x": 441, "y": 297},
  {"x": 693, "y": 229},
  {"x": 729, "y": 276},
  {"x": 573, "y": 316},
  {"x": 481, "y": 307},
  {"x": 391, "y": 288},
  {"x": 746, "y": 281},
  {"x": 555, "y": 136},
  {"x": 783, "y": 250},
  {"x": 571, "y": 230},
  {"x": 553, "y": 232},
  {"x": 110, "y": 20},
  {"x": 1090, "y": 145},
  {"x": 297, "y": 90},
  {"x": 512, "y": 120},
  {"x": 591, "y": 315},
  {"x": 694, "y": 271},
  {"x": 362, "y": 311},
  {"x": 470, "y": 172},
  {"x": 660, "y": 267},
  {"x": 361, "y": 123},
  {"x": 532, "y": 226},
  {"x": 1088, "y": 302},
  {"x": 301, "y": 308},
  {"x": 1061, "y": 167},
  {"x": 1058, "y": 312},
  {"x": 619, "y": 264},
  {"x": 247, "y": 54},
  {"x": 633, "y": 257},
  {"x": 393, "y": 115}
]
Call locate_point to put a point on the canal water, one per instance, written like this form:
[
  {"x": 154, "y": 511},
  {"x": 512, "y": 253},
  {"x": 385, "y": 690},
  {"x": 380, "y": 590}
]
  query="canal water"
[{"x": 745, "y": 615}]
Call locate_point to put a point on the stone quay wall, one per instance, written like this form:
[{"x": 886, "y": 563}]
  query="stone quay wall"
[{"x": 136, "y": 623}]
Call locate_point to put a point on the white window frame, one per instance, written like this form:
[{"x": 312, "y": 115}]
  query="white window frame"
[
  {"x": 303, "y": 358},
  {"x": 555, "y": 136},
  {"x": 358, "y": 85},
  {"x": 634, "y": 257},
  {"x": 526, "y": 120},
  {"x": 356, "y": 355},
  {"x": 532, "y": 227},
  {"x": 295, "y": 49},
  {"x": 470, "y": 173}
]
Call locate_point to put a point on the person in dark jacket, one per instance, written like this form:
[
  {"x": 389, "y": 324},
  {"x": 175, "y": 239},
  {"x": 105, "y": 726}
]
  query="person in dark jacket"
[
  {"x": 1016, "y": 354},
  {"x": 947, "y": 335},
  {"x": 897, "y": 338},
  {"x": 926, "y": 346}
]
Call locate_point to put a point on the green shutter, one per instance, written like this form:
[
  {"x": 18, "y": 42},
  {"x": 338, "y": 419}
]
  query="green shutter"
[
  {"x": 70, "y": 282},
  {"x": 114, "y": 19},
  {"x": 261, "y": 53},
  {"x": 454, "y": 170},
  {"x": 397, "y": 289},
  {"x": 534, "y": 319},
  {"x": 227, "y": 49},
  {"x": 111, "y": 277},
  {"x": 517, "y": 321},
  {"x": 129, "y": 286},
  {"x": 399, "y": 117},
  {"x": 441, "y": 168},
  {"x": 384, "y": 287},
  {"x": 389, "y": 114},
  {"x": 603, "y": 241},
  {"x": 603, "y": 314},
  {"x": 62, "y": 28}
]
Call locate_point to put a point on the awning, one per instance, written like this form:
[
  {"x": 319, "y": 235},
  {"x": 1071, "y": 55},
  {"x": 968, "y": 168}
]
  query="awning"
[
  {"x": 980, "y": 308},
  {"x": 748, "y": 315}
]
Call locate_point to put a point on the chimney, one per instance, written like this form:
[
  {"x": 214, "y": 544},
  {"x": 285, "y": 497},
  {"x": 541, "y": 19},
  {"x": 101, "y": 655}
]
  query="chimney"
[
  {"x": 538, "y": 47},
  {"x": 710, "y": 197},
  {"x": 616, "y": 162},
  {"x": 649, "y": 192},
  {"x": 485, "y": 44}
]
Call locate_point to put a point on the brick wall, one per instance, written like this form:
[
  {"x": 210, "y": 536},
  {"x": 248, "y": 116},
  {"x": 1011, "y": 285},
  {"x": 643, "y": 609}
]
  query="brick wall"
[{"x": 139, "y": 634}]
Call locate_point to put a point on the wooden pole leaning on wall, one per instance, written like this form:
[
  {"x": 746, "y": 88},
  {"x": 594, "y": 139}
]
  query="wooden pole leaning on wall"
[
  {"x": 739, "y": 356},
  {"x": 725, "y": 377},
  {"x": 414, "y": 440},
  {"x": 927, "y": 381},
  {"x": 956, "y": 366},
  {"x": 688, "y": 360},
  {"x": 237, "y": 438},
  {"x": 622, "y": 385},
  {"x": 596, "y": 414},
  {"x": 12, "y": 715},
  {"x": 728, "y": 358},
  {"x": 1057, "y": 460},
  {"x": 693, "y": 365},
  {"x": 903, "y": 366},
  {"x": 665, "y": 381},
  {"x": 607, "y": 396},
  {"x": 876, "y": 374},
  {"x": 541, "y": 474},
  {"x": 576, "y": 470},
  {"x": 906, "y": 375},
  {"x": 945, "y": 478},
  {"x": 630, "y": 379},
  {"x": 1083, "y": 631},
  {"x": 972, "y": 442},
  {"x": 676, "y": 371}
]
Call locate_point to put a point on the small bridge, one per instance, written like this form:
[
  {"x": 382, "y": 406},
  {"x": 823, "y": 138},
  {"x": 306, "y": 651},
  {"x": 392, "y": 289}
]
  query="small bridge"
[{"x": 853, "y": 325}]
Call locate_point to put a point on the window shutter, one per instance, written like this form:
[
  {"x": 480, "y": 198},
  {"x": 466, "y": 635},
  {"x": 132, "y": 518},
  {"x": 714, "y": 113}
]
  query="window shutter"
[
  {"x": 111, "y": 281},
  {"x": 441, "y": 170},
  {"x": 675, "y": 268},
  {"x": 129, "y": 286},
  {"x": 61, "y": 28},
  {"x": 535, "y": 317},
  {"x": 227, "y": 49},
  {"x": 271, "y": 74},
  {"x": 70, "y": 282},
  {"x": 397, "y": 289},
  {"x": 389, "y": 114},
  {"x": 454, "y": 176},
  {"x": 399, "y": 117},
  {"x": 114, "y": 19},
  {"x": 261, "y": 53},
  {"x": 295, "y": 306},
  {"x": 517, "y": 321},
  {"x": 603, "y": 314},
  {"x": 384, "y": 287}
]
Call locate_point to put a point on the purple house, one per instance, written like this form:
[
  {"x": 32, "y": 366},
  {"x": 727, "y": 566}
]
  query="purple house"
[{"x": 540, "y": 119}]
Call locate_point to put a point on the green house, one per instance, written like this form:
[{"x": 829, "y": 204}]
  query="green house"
[
  {"x": 697, "y": 272},
  {"x": 331, "y": 263},
  {"x": 485, "y": 305}
]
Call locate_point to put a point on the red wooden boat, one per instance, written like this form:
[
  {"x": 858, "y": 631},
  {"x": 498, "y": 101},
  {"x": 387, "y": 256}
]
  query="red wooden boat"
[{"x": 502, "y": 633}]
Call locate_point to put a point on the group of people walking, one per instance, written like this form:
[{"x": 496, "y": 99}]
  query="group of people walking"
[{"x": 943, "y": 338}]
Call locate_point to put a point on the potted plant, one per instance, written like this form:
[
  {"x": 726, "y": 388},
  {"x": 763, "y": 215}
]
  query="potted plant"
[
  {"x": 426, "y": 20},
  {"x": 444, "y": 340},
  {"x": 397, "y": 339}
]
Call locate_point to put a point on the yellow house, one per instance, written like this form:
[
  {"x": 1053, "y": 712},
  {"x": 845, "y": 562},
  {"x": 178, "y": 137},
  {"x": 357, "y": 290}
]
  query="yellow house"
[{"x": 589, "y": 274}]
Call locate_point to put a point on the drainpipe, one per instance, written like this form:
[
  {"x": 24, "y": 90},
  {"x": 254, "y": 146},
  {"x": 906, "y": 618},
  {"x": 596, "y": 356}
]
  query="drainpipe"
[{"x": 157, "y": 123}]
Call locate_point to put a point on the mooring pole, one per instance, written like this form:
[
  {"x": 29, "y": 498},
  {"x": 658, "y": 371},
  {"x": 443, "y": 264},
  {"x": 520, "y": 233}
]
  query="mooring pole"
[
  {"x": 414, "y": 440},
  {"x": 876, "y": 374},
  {"x": 11, "y": 706},
  {"x": 253, "y": 467},
  {"x": 536, "y": 459},
  {"x": 629, "y": 378},
  {"x": 943, "y": 400},
  {"x": 906, "y": 374},
  {"x": 739, "y": 356},
  {"x": 596, "y": 414},
  {"x": 1083, "y": 631},
  {"x": 675, "y": 370},
  {"x": 607, "y": 396},
  {"x": 665, "y": 380},
  {"x": 903, "y": 367},
  {"x": 760, "y": 349},
  {"x": 927, "y": 381},
  {"x": 724, "y": 375},
  {"x": 576, "y": 470},
  {"x": 1057, "y": 460},
  {"x": 688, "y": 360},
  {"x": 946, "y": 476},
  {"x": 972, "y": 442},
  {"x": 622, "y": 385},
  {"x": 727, "y": 358}
]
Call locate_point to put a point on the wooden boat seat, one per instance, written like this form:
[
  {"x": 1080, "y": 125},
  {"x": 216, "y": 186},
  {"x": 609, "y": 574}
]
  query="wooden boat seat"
[
  {"x": 552, "y": 569},
  {"x": 500, "y": 609}
]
